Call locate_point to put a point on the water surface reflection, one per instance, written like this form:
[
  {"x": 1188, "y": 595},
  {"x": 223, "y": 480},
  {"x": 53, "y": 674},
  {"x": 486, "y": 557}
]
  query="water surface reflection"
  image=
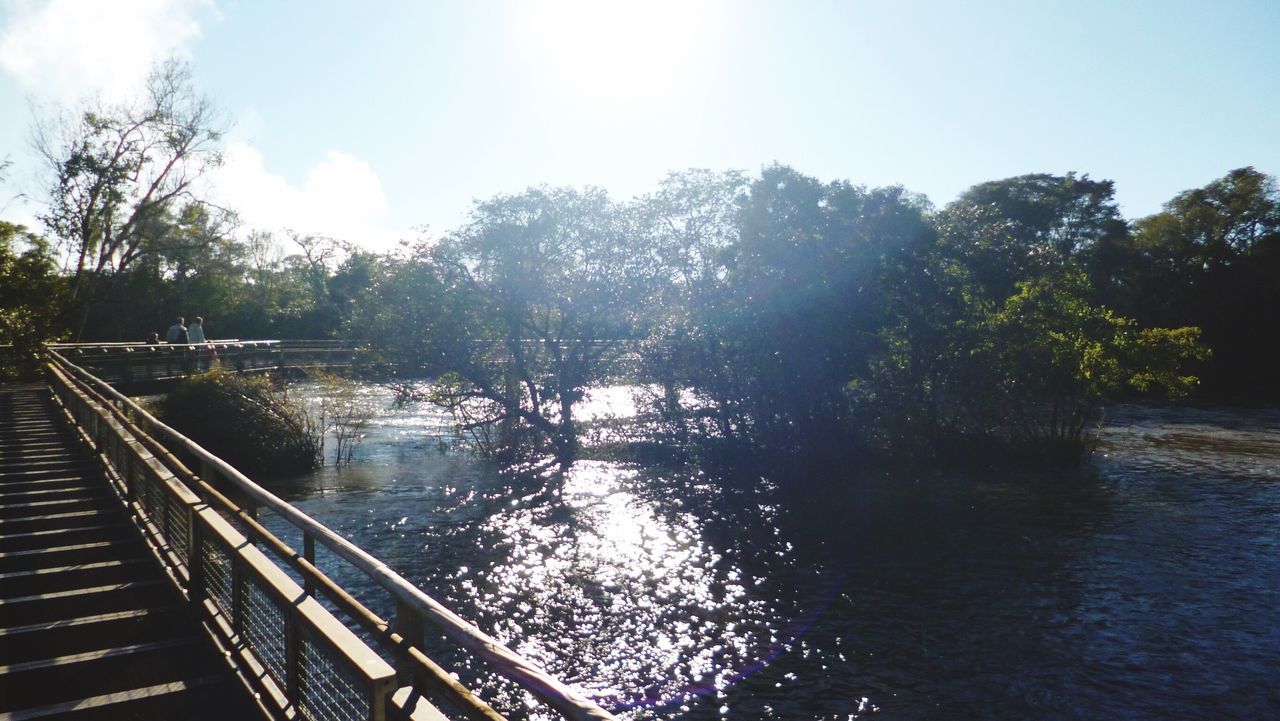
[{"x": 1144, "y": 586}]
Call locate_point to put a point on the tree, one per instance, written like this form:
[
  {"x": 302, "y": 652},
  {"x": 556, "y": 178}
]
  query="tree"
[
  {"x": 690, "y": 225},
  {"x": 1211, "y": 258},
  {"x": 1030, "y": 225},
  {"x": 404, "y": 313},
  {"x": 1050, "y": 357},
  {"x": 121, "y": 172},
  {"x": 553, "y": 289},
  {"x": 809, "y": 283},
  {"x": 788, "y": 282},
  {"x": 200, "y": 273},
  {"x": 32, "y": 294}
]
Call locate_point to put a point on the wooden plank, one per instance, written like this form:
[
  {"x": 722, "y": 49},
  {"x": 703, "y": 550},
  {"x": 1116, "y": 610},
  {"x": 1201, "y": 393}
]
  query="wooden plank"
[
  {"x": 72, "y": 501},
  {"x": 53, "y": 531},
  {"x": 20, "y": 476},
  {"x": 63, "y": 549},
  {"x": 16, "y": 486},
  {"x": 110, "y": 699},
  {"x": 82, "y": 621},
  {"x": 122, "y": 563},
  {"x": 128, "y": 585},
  {"x": 49, "y": 492},
  {"x": 56, "y": 516},
  {"x": 411, "y": 705},
  {"x": 116, "y": 652}
]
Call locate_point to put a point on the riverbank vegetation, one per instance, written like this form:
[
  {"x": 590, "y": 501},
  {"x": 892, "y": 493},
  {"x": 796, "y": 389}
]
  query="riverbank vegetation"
[
  {"x": 764, "y": 314},
  {"x": 246, "y": 421},
  {"x": 256, "y": 424}
]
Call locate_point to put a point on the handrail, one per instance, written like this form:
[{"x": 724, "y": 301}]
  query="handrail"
[
  {"x": 569, "y": 703},
  {"x": 285, "y": 646},
  {"x": 142, "y": 363}
]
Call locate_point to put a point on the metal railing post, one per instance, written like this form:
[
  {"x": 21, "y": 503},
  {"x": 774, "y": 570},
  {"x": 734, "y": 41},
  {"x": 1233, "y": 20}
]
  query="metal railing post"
[
  {"x": 407, "y": 623},
  {"x": 309, "y": 553}
]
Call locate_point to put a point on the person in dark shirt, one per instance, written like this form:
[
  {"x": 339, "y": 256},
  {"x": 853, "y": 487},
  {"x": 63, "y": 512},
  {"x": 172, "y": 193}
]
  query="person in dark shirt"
[{"x": 177, "y": 332}]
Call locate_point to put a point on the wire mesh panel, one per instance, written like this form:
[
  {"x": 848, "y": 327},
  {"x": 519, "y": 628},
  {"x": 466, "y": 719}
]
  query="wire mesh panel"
[
  {"x": 137, "y": 471},
  {"x": 262, "y": 626},
  {"x": 120, "y": 451},
  {"x": 178, "y": 528},
  {"x": 215, "y": 569},
  {"x": 151, "y": 497},
  {"x": 327, "y": 689},
  {"x": 111, "y": 449}
]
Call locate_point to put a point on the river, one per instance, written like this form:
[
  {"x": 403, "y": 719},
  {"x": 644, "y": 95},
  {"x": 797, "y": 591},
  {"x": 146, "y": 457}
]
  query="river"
[{"x": 1145, "y": 585}]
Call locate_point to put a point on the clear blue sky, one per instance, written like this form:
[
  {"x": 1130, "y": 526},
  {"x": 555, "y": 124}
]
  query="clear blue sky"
[{"x": 369, "y": 119}]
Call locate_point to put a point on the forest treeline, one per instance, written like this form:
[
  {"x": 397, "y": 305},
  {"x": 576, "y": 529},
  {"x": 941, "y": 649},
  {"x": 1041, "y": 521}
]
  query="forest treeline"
[{"x": 766, "y": 313}]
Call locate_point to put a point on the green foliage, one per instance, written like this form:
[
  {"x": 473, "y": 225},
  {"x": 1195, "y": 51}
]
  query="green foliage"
[
  {"x": 838, "y": 319},
  {"x": 551, "y": 283},
  {"x": 1006, "y": 231},
  {"x": 121, "y": 173},
  {"x": 408, "y": 315},
  {"x": 774, "y": 315},
  {"x": 33, "y": 298},
  {"x": 809, "y": 288},
  {"x": 245, "y": 421},
  {"x": 1161, "y": 357},
  {"x": 1210, "y": 259},
  {"x": 1051, "y": 357}
]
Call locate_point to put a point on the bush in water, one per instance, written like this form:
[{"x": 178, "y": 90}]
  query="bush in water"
[{"x": 245, "y": 421}]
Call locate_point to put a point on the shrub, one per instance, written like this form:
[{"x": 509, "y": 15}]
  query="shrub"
[{"x": 245, "y": 421}]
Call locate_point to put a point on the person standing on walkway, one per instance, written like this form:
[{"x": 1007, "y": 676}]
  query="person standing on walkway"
[
  {"x": 177, "y": 332},
  {"x": 195, "y": 334}
]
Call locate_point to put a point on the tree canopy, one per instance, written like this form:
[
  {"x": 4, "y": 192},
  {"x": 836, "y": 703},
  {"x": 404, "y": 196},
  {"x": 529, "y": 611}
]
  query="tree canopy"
[{"x": 758, "y": 315}]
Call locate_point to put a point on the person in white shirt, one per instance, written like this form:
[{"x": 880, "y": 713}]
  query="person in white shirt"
[
  {"x": 195, "y": 331},
  {"x": 195, "y": 334}
]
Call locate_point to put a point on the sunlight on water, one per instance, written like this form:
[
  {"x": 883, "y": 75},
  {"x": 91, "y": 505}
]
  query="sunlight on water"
[
  {"x": 638, "y": 598},
  {"x": 606, "y": 402},
  {"x": 1134, "y": 588},
  {"x": 647, "y": 596}
]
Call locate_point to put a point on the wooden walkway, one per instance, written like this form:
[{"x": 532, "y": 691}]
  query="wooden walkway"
[{"x": 90, "y": 628}]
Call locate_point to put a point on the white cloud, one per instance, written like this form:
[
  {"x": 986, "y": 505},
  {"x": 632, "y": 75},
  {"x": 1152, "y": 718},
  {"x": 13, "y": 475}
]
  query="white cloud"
[
  {"x": 342, "y": 197},
  {"x": 63, "y": 50}
]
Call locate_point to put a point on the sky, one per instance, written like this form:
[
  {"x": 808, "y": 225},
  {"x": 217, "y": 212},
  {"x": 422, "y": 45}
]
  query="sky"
[{"x": 381, "y": 121}]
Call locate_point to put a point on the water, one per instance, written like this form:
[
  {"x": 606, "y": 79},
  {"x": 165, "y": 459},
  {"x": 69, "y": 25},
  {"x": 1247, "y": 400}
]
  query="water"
[{"x": 1145, "y": 586}]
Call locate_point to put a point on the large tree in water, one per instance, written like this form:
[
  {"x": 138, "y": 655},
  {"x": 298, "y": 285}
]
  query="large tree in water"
[{"x": 553, "y": 287}]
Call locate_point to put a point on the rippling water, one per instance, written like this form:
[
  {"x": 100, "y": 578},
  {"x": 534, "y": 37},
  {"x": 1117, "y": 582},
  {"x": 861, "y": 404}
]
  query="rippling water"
[{"x": 1144, "y": 586}]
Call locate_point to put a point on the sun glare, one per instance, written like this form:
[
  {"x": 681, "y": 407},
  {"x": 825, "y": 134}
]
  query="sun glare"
[{"x": 615, "y": 50}]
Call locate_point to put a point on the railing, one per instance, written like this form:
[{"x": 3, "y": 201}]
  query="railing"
[
  {"x": 302, "y": 656},
  {"x": 129, "y": 363}
]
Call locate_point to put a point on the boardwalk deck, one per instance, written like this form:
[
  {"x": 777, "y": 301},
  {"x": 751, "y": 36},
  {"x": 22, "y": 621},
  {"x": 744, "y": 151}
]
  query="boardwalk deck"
[{"x": 89, "y": 626}]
